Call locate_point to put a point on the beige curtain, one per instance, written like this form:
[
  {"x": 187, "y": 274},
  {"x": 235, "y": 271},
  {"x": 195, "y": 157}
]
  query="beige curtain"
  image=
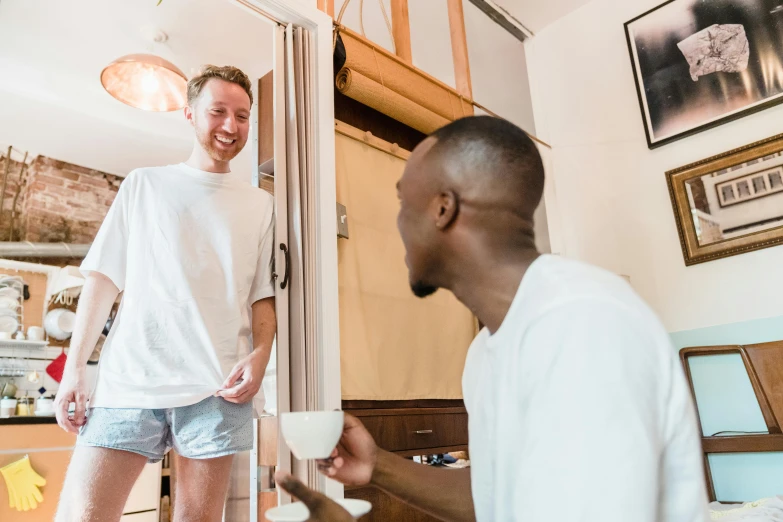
[{"x": 393, "y": 345}]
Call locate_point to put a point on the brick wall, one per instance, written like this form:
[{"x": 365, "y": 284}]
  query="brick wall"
[
  {"x": 700, "y": 195},
  {"x": 60, "y": 202},
  {"x": 14, "y": 172},
  {"x": 66, "y": 202}
]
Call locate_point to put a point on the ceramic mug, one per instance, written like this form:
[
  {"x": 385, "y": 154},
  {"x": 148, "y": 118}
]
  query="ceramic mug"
[
  {"x": 7, "y": 407},
  {"x": 44, "y": 406},
  {"x": 9, "y": 390},
  {"x": 35, "y": 333},
  {"x": 5, "y": 336}
]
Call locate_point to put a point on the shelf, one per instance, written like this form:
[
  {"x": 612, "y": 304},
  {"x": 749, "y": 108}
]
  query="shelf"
[
  {"x": 165, "y": 472},
  {"x": 14, "y": 344}
]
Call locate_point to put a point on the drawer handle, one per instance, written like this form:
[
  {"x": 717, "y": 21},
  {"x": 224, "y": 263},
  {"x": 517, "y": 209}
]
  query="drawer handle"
[{"x": 423, "y": 432}]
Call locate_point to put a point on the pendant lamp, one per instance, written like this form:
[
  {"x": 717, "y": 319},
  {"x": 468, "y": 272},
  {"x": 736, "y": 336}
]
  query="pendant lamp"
[{"x": 147, "y": 82}]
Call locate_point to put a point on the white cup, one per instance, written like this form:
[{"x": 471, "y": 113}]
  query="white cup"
[
  {"x": 312, "y": 434},
  {"x": 35, "y": 333},
  {"x": 5, "y": 336},
  {"x": 44, "y": 406},
  {"x": 7, "y": 408}
]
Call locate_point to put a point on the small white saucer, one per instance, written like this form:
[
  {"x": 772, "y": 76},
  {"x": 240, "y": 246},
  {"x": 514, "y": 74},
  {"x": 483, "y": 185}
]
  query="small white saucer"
[{"x": 298, "y": 512}]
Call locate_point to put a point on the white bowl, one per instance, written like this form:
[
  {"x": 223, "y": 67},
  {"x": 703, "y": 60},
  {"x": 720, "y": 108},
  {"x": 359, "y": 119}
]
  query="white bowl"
[
  {"x": 59, "y": 323},
  {"x": 312, "y": 434}
]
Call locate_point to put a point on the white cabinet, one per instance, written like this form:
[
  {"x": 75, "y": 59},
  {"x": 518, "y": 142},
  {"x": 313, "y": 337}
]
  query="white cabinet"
[{"x": 145, "y": 495}]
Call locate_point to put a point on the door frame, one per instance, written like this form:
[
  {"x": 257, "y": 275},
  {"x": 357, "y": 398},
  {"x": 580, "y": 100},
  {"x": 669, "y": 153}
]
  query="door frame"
[{"x": 305, "y": 14}]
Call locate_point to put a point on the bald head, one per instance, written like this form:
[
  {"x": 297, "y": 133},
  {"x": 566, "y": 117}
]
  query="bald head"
[
  {"x": 475, "y": 181},
  {"x": 493, "y": 162}
]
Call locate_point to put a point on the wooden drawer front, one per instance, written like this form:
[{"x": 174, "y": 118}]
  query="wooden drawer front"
[
  {"x": 386, "y": 507},
  {"x": 411, "y": 432}
]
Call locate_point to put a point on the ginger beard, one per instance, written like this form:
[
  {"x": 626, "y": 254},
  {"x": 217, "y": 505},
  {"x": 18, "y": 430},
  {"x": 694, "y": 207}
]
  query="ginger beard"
[{"x": 220, "y": 145}]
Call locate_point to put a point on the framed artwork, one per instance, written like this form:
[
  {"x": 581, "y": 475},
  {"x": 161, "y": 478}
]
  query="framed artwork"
[
  {"x": 731, "y": 203},
  {"x": 702, "y": 63}
]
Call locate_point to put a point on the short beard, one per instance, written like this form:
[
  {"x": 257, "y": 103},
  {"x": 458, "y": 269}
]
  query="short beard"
[
  {"x": 423, "y": 290},
  {"x": 215, "y": 154}
]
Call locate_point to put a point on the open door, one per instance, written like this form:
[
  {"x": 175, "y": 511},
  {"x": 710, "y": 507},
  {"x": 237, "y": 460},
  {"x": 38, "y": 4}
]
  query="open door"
[
  {"x": 270, "y": 452},
  {"x": 300, "y": 172}
]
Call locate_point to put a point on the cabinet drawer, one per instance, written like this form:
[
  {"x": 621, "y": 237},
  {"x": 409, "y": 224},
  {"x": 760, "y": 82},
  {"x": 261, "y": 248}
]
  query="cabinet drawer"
[
  {"x": 413, "y": 432},
  {"x": 145, "y": 495}
]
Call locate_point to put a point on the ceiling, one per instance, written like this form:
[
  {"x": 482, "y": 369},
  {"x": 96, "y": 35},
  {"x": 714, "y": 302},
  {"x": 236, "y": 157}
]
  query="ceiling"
[
  {"x": 537, "y": 14},
  {"x": 51, "y": 99}
]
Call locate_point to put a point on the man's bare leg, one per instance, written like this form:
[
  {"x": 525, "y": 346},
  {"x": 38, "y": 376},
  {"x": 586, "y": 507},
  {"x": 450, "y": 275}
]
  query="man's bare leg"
[
  {"x": 202, "y": 486},
  {"x": 97, "y": 484}
]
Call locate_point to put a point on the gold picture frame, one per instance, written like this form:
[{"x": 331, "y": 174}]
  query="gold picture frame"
[{"x": 746, "y": 162}]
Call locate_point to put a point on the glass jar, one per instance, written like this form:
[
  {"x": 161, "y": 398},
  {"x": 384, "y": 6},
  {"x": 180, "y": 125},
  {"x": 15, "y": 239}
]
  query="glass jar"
[{"x": 25, "y": 407}]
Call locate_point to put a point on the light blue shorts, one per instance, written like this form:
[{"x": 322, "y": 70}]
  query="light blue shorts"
[{"x": 211, "y": 428}]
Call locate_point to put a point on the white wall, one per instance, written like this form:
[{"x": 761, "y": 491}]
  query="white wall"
[
  {"x": 612, "y": 205},
  {"x": 498, "y": 68}
]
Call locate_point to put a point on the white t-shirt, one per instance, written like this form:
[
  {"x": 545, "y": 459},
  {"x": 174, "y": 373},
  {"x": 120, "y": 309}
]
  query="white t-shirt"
[
  {"x": 192, "y": 251},
  {"x": 579, "y": 409}
]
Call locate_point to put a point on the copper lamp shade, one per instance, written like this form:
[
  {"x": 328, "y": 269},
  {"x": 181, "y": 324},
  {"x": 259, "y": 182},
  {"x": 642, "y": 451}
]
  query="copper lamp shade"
[{"x": 146, "y": 82}]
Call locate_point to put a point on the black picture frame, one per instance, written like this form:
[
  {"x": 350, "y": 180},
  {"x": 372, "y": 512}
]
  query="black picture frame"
[{"x": 654, "y": 141}]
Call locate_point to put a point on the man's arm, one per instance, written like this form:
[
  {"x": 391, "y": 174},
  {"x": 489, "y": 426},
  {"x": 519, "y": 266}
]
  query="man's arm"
[
  {"x": 251, "y": 369},
  {"x": 264, "y": 329},
  {"x": 357, "y": 461},
  {"x": 95, "y": 302},
  {"x": 443, "y": 493}
]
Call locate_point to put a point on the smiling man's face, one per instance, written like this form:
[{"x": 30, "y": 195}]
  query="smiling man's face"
[{"x": 221, "y": 119}]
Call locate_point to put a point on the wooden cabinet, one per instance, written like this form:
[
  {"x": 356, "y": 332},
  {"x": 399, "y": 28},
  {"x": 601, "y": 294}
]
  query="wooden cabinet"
[
  {"x": 422, "y": 431},
  {"x": 408, "y": 428},
  {"x": 49, "y": 449},
  {"x": 386, "y": 508}
]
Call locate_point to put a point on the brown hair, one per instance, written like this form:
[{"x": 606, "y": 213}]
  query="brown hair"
[{"x": 226, "y": 73}]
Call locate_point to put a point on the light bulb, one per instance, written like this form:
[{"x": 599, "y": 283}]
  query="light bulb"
[{"x": 149, "y": 83}]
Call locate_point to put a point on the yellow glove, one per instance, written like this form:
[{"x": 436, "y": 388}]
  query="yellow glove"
[
  {"x": 22, "y": 483},
  {"x": 11, "y": 494}
]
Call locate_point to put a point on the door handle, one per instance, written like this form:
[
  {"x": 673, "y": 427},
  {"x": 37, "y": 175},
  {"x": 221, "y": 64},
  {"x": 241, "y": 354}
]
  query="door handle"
[
  {"x": 423, "y": 432},
  {"x": 287, "y": 273}
]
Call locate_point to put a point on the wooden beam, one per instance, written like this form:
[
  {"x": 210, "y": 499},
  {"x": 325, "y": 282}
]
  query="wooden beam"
[
  {"x": 459, "y": 49},
  {"x": 742, "y": 444},
  {"x": 327, "y": 6},
  {"x": 502, "y": 17},
  {"x": 401, "y": 29}
]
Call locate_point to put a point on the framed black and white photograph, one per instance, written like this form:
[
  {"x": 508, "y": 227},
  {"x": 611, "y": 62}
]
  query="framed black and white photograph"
[{"x": 701, "y": 63}]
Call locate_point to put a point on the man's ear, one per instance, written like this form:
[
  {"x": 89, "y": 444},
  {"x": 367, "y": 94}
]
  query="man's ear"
[
  {"x": 188, "y": 111},
  {"x": 447, "y": 209}
]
